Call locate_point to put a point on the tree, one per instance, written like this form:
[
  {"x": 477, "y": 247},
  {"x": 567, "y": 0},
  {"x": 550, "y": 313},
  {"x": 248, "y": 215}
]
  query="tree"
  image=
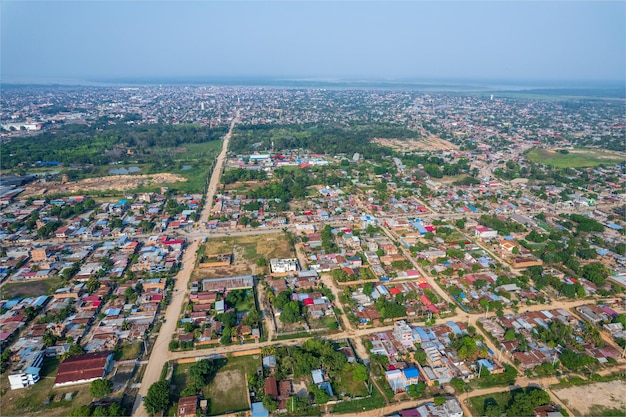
[
  {"x": 92, "y": 284},
  {"x": 100, "y": 411},
  {"x": 158, "y": 397},
  {"x": 226, "y": 335},
  {"x": 359, "y": 372},
  {"x": 82, "y": 411},
  {"x": 100, "y": 387},
  {"x": 291, "y": 312},
  {"x": 321, "y": 396},
  {"x": 270, "y": 404},
  {"x": 439, "y": 400},
  {"x": 509, "y": 335},
  {"x": 201, "y": 372}
]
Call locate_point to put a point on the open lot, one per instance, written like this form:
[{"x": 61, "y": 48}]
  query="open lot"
[
  {"x": 111, "y": 182},
  {"x": 246, "y": 250},
  {"x": 574, "y": 158},
  {"x": 28, "y": 288},
  {"x": 595, "y": 399},
  {"x": 430, "y": 143},
  {"x": 228, "y": 390}
]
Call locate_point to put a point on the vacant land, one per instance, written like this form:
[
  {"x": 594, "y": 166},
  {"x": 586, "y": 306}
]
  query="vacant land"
[
  {"x": 228, "y": 390},
  {"x": 30, "y": 401},
  {"x": 29, "y": 288},
  {"x": 246, "y": 251},
  {"x": 112, "y": 182},
  {"x": 595, "y": 399},
  {"x": 574, "y": 158},
  {"x": 430, "y": 143},
  {"x": 478, "y": 404}
]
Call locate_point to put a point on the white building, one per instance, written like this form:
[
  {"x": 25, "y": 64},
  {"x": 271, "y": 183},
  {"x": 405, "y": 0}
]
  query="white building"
[
  {"x": 27, "y": 370},
  {"x": 403, "y": 333},
  {"x": 485, "y": 232},
  {"x": 280, "y": 266}
]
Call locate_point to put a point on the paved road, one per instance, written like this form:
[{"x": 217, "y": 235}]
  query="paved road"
[{"x": 160, "y": 352}]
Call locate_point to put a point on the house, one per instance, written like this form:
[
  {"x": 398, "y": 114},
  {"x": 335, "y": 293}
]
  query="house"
[
  {"x": 281, "y": 266},
  {"x": 484, "y": 232},
  {"x": 271, "y": 387},
  {"x": 26, "y": 372},
  {"x": 83, "y": 368},
  {"x": 403, "y": 333},
  {"x": 187, "y": 406}
]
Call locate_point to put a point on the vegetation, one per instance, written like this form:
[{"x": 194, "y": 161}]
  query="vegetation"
[
  {"x": 519, "y": 402},
  {"x": 100, "y": 387},
  {"x": 575, "y": 158},
  {"x": 158, "y": 397}
]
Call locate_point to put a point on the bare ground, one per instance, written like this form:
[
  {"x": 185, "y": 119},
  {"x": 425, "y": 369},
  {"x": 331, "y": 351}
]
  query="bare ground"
[
  {"x": 582, "y": 399},
  {"x": 430, "y": 143},
  {"x": 112, "y": 182}
]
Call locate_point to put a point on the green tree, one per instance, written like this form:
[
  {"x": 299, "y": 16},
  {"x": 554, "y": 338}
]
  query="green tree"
[
  {"x": 100, "y": 387},
  {"x": 158, "y": 397},
  {"x": 439, "y": 400},
  {"x": 201, "y": 372},
  {"x": 359, "y": 372},
  {"x": 82, "y": 411}
]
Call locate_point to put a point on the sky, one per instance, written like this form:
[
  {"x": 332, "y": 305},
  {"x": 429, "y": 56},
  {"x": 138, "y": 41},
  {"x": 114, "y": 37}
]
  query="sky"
[{"x": 504, "y": 40}]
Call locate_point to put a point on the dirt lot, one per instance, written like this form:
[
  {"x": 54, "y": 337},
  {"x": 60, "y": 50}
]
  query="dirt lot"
[
  {"x": 430, "y": 143},
  {"x": 246, "y": 251},
  {"x": 583, "y": 400},
  {"x": 228, "y": 392},
  {"x": 112, "y": 182}
]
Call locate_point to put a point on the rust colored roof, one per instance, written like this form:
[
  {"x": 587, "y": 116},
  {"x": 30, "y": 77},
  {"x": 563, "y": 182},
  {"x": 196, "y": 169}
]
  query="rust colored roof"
[{"x": 87, "y": 366}]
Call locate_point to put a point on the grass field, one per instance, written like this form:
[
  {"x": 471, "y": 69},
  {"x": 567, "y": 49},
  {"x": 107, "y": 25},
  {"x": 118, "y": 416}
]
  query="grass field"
[
  {"x": 478, "y": 404},
  {"x": 29, "y": 289},
  {"x": 246, "y": 250},
  {"x": 29, "y": 401},
  {"x": 575, "y": 158},
  {"x": 376, "y": 400},
  {"x": 345, "y": 384},
  {"x": 228, "y": 391}
]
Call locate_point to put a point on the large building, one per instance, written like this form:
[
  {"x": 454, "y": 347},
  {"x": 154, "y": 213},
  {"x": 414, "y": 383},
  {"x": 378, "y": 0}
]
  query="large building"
[
  {"x": 26, "y": 372},
  {"x": 281, "y": 266},
  {"x": 83, "y": 368}
]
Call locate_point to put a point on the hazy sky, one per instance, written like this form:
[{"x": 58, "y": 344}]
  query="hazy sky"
[{"x": 529, "y": 40}]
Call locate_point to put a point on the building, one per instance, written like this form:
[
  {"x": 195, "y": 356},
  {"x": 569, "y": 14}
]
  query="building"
[
  {"x": 83, "y": 368},
  {"x": 187, "y": 406},
  {"x": 403, "y": 333},
  {"x": 484, "y": 232},
  {"x": 281, "y": 266},
  {"x": 26, "y": 372}
]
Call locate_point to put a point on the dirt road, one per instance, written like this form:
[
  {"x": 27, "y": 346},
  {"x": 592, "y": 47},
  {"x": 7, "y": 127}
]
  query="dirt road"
[{"x": 160, "y": 352}]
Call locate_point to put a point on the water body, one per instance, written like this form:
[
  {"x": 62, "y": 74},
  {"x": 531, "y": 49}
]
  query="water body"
[
  {"x": 186, "y": 168},
  {"x": 124, "y": 171}
]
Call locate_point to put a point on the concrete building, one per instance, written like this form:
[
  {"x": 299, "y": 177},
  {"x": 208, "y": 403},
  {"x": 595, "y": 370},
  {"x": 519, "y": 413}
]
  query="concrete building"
[{"x": 26, "y": 372}]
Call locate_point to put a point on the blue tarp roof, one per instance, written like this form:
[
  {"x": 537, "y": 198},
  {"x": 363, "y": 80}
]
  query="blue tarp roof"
[
  {"x": 258, "y": 410},
  {"x": 456, "y": 329},
  {"x": 411, "y": 373}
]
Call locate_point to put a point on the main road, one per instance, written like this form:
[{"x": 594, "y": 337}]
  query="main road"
[{"x": 160, "y": 351}]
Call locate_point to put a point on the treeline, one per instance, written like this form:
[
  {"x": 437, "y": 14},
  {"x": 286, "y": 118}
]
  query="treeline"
[
  {"x": 240, "y": 174},
  {"x": 102, "y": 143},
  {"x": 292, "y": 184},
  {"x": 318, "y": 139}
]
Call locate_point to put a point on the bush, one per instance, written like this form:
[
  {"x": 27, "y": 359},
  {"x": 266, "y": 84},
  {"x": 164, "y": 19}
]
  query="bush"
[{"x": 100, "y": 387}]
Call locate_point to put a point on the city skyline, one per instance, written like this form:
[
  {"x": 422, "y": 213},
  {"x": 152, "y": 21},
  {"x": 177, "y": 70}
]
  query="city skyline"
[{"x": 551, "y": 41}]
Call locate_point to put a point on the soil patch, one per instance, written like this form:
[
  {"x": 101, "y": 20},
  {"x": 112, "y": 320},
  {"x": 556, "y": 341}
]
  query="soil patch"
[
  {"x": 112, "y": 182},
  {"x": 582, "y": 400},
  {"x": 430, "y": 143}
]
